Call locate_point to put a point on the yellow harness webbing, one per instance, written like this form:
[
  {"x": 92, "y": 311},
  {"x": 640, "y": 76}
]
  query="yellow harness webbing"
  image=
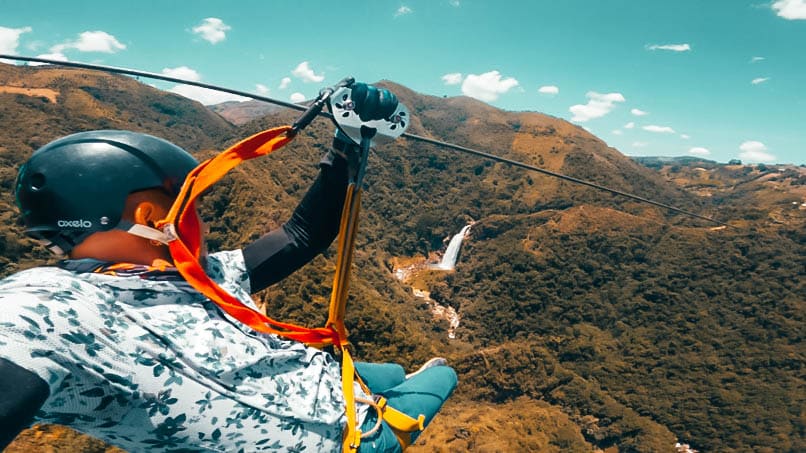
[
  {"x": 401, "y": 423},
  {"x": 338, "y": 306}
]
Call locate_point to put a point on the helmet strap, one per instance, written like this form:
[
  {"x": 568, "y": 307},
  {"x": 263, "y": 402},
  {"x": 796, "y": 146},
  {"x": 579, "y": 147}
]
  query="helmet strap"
[{"x": 62, "y": 243}]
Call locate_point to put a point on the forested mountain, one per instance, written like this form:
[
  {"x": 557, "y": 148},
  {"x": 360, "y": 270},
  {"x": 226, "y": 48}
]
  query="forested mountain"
[{"x": 587, "y": 321}]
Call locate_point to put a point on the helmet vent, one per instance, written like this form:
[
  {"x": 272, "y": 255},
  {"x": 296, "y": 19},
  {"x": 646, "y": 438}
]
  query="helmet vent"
[{"x": 37, "y": 181}]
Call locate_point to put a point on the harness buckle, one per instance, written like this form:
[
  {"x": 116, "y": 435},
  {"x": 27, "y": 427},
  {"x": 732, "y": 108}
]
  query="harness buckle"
[{"x": 170, "y": 232}]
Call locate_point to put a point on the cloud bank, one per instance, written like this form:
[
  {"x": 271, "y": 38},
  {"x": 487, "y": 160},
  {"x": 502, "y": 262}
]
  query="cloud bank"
[
  {"x": 699, "y": 151},
  {"x": 203, "y": 95},
  {"x": 182, "y": 72},
  {"x": 598, "y": 106},
  {"x": 548, "y": 89},
  {"x": 306, "y": 74},
  {"x": 658, "y": 129},
  {"x": 212, "y": 30},
  {"x": 488, "y": 86},
  {"x": 790, "y": 9},
  {"x": 91, "y": 41},
  {"x": 753, "y": 151},
  {"x": 670, "y": 47},
  {"x": 402, "y": 11},
  {"x": 10, "y": 39},
  {"x": 454, "y": 78}
]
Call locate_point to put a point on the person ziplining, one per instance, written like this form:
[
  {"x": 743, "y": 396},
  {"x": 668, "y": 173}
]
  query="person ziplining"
[{"x": 144, "y": 340}]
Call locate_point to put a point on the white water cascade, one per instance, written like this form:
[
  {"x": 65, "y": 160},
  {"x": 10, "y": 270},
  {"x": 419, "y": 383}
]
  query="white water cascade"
[{"x": 449, "y": 258}]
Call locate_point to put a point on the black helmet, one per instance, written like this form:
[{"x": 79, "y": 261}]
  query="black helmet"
[{"x": 77, "y": 185}]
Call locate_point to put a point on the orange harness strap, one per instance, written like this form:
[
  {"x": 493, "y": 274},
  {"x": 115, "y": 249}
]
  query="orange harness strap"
[{"x": 182, "y": 225}]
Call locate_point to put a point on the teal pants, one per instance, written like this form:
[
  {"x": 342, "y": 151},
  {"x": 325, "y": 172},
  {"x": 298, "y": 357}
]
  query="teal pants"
[{"x": 423, "y": 393}]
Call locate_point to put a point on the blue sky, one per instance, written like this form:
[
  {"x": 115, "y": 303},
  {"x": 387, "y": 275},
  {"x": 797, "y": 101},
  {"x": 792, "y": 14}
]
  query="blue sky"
[{"x": 722, "y": 79}]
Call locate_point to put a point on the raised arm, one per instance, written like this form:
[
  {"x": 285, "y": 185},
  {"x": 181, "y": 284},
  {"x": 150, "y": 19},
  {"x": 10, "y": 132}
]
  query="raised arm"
[
  {"x": 315, "y": 222},
  {"x": 310, "y": 230}
]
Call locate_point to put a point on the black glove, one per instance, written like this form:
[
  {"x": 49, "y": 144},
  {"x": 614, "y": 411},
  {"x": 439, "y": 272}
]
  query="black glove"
[
  {"x": 373, "y": 103},
  {"x": 344, "y": 148}
]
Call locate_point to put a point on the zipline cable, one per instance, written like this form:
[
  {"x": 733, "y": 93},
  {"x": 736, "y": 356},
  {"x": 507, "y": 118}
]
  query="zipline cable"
[
  {"x": 153, "y": 75},
  {"x": 516, "y": 163}
]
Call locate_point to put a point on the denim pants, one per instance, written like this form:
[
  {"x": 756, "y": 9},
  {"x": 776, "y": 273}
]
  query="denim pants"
[{"x": 423, "y": 393}]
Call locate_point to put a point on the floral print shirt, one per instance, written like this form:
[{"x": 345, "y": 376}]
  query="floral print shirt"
[{"x": 149, "y": 363}]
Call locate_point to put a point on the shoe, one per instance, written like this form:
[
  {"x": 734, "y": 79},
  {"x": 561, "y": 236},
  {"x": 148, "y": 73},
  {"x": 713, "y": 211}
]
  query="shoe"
[{"x": 435, "y": 361}]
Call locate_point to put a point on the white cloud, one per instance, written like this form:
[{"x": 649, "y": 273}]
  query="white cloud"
[
  {"x": 671, "y": 47},
  {"x": 548, "y": 89},
  {"x": 402, "y": 11},
  {"x": 685, "y": 136},
  {"x": 34, "y": 45},
  {"x": 182, "y": 72},
  {"x": 261, "y": 89},
  {"x": 488, "y": 86},
  {"x": 699, "y": 151},
  {"x": 637, "y": 112},
  {"x": 598, "y": 106},
  {"x": 91, "y": 41},
  {"x": 790, "y": 9},
  {"x": 454, "y": 3},
  {"x": 757, "y": 59},
  {"x": 454, "y": 78},
  {"x": 285, "y": 82},
  {"x": 758, "y": 80},
  {"x": 639, "y": 144},
  {"x": 618, "y": 132},
  {"x": 205, "y": 96},
  {"x": 212, "y": 30},
  {"x": 10, "y": 39},
  {"x": 297, "y": 97},
  {"x": 753, "y": 151},
  {"x": 658, "y": 129},
  {"x": 629, "y": 125},
  {"x": 50, "y": 56},
  {"x": 304, "y": 72}
]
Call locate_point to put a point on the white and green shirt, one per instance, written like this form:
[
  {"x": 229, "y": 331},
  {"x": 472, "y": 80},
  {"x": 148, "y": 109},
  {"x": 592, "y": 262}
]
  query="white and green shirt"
[{"x": 149, "y": 363}]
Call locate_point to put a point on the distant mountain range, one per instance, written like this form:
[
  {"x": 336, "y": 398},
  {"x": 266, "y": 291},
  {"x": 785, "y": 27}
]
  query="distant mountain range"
[
  {"x": 658, "y": 161},
  {"x": 239, "y": 113},
  {"x": 587, "y": 321}
]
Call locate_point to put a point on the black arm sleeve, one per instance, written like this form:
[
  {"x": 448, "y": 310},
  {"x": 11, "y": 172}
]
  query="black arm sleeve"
[
  {"x": 312, "y": 227},
  {"x": 22, "y": 393}
]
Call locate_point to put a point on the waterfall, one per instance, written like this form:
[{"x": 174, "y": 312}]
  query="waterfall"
[{"x": 449, "y": 259}]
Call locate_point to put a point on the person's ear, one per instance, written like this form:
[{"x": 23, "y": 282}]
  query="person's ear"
[{"x": 148, "y": 213}]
